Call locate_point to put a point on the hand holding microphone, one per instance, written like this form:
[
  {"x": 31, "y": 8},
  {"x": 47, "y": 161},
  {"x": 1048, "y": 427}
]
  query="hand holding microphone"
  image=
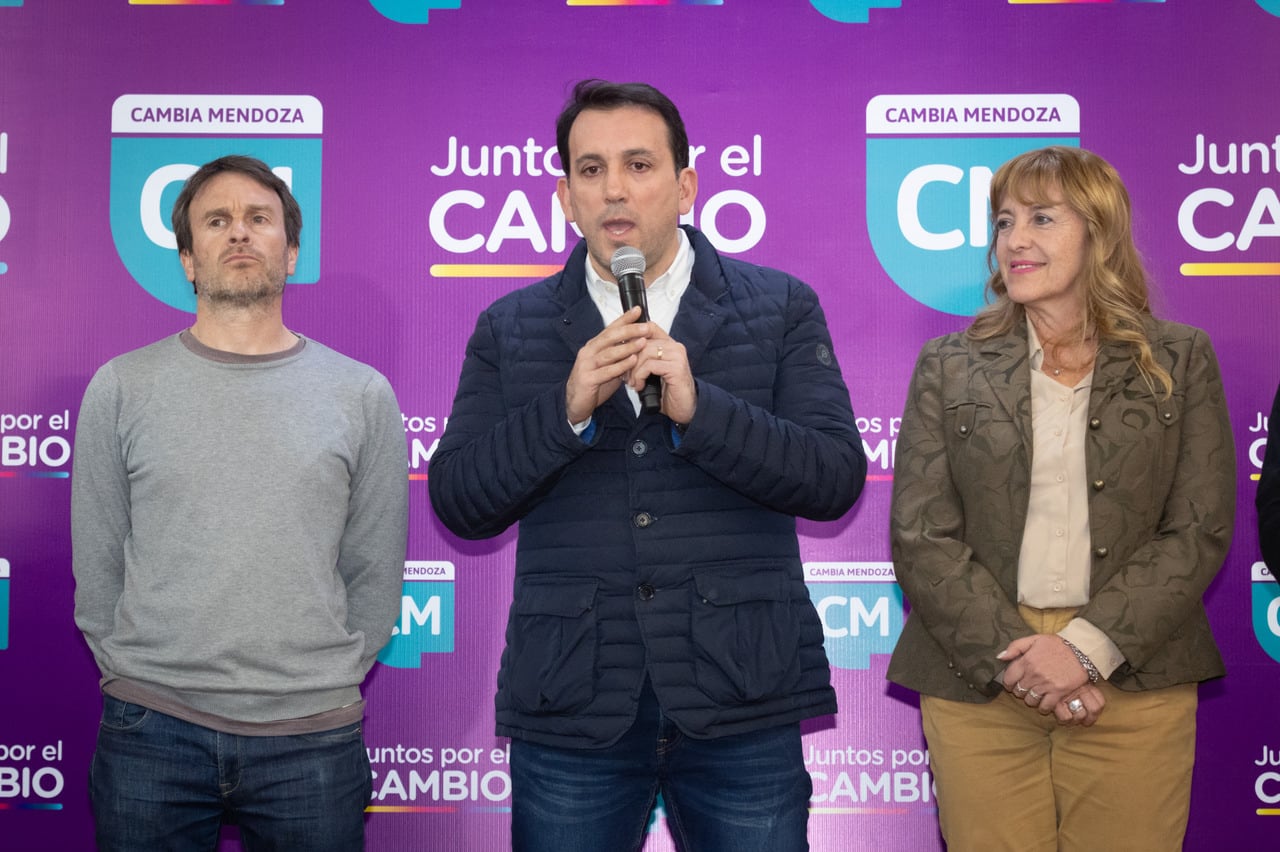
[{"x": 628, "y": 266}]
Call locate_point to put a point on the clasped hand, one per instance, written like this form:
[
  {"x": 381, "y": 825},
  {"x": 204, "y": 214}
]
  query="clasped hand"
[
  {"x": 630, "y": 351},
  {"x": 1046, "y": 675}
]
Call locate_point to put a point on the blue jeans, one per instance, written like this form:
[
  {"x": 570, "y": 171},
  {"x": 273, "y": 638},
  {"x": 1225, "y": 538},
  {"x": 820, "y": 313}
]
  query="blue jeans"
[
  {"x": 159, "y": 783},
  {"x": 741, "y": 793}
]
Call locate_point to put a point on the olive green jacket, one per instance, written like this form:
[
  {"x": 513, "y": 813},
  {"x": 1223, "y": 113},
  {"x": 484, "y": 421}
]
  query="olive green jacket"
[{"x": 1161, "y": 507}]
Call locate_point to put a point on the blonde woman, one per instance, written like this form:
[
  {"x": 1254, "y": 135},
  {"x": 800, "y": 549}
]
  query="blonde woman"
[{"x": 1063, "y": 495}]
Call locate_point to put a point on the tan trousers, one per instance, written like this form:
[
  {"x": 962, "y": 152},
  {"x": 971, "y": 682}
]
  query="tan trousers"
[{"x": 1011, "y": 779}]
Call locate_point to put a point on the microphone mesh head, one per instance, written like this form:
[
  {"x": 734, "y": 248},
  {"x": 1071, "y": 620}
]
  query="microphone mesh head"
[{"x": 627, "y": 260}]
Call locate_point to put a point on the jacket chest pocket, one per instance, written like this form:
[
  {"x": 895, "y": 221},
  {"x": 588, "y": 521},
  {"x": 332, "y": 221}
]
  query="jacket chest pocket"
[
  {"x": 1135, "y": 449},
  {"x": 983, "y": 443},
  {"x": 963, "y": 419}
]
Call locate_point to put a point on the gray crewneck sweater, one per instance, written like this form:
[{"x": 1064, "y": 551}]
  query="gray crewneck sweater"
[{"x": 239, "y": 529}]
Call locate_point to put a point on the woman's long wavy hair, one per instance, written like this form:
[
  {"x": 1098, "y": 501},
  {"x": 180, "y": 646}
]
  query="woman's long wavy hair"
[{"x": 1115, "y": 282}]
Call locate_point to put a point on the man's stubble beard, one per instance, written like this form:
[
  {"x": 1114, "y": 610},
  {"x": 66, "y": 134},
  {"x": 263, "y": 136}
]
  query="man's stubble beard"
[
  {"x": 243, "y": 293},
  {"x": 247, "y": 296}
]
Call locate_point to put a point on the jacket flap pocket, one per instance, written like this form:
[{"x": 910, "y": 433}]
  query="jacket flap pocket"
[
  {"x": 566, "y": 598},
  {"x": 1170, "y": 410},
  {"x": 727, "y": 586},
  {"x": 964, "y": 415}
]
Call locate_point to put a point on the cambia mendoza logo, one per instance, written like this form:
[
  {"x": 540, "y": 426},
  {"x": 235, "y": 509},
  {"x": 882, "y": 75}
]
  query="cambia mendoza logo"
[
  {"x": 853, "y": 11},
  {"x": 426, "y": 616},
  {"x": 1265, "y": 596},
  {"x": 411, "y": 11},
  {"x": 930, "y": 159},
  {"x": 860, "y": 606},
  {"x": 159, "y": 140}
]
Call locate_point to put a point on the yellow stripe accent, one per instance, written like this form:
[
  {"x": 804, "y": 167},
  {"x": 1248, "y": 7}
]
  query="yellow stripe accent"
[{"x": 1196, "y": 269}]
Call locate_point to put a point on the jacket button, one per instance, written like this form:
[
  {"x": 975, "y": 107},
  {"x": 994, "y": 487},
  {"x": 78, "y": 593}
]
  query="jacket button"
[
  {"x": 644, "y": 519},
  {"x": 1095, "y": 423},
  {"x": 1100, "y": 552},
  {"x": 644, "y": 592},
  {"x": 964, "y": 430},
  {"x": 639, "y": 448},
  {"x": 959, "y": 674},
  {"x": 1168, "y": 415},
  {"x": 1099, "y": 484}
]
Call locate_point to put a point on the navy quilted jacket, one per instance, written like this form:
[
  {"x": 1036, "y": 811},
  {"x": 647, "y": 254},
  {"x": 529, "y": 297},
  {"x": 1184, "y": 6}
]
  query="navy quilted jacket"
[{"x": 641, "y": 551}]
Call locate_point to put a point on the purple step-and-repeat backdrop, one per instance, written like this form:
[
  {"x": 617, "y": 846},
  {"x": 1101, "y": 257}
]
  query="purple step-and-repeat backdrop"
[{"x": 847, "y": 141}]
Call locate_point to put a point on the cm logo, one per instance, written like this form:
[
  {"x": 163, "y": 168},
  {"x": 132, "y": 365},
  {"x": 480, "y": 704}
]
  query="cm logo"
[
  {"x": 1265, "y": 603},
  {"x": 858, "y": 620},
  {"x": 411, "y": 11},
  {"x": 928, "y": 215},
  {"x": 146, "y": 176},
  {"x": 426, "y": 622}
]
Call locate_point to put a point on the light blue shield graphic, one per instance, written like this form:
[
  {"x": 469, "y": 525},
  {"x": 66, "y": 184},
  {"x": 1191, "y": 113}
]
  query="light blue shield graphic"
[
  {"x": 852, "y": 11},
  {"x": 425, "y": 625},
  {"x": 1266, "y": 615},
  {"x": 147, "y": 174},
  {"x": 858, "y": 620},
  {"x": 411, "y": 11},
  {"x": 4, "y": 611},
  {"x": 928, "y": 215}
]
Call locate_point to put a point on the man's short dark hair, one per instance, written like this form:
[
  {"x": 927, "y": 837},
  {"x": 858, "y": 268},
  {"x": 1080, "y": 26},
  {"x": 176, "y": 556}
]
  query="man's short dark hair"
[
  {"x": 244, "y": 165},
  {"x": 601, "y": 94}
]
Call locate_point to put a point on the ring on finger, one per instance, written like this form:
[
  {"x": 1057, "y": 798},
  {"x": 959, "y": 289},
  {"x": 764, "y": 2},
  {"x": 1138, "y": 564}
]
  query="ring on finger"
[
  {"x": 1020, "y": 690},
  {"x": 1033, "y": 695},
  {"x": 1075, "y": 705},
  {"x": 659, "y": 353}
]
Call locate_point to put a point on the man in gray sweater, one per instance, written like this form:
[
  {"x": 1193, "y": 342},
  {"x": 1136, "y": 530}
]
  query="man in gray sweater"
[{"x": 239, "y": 516}]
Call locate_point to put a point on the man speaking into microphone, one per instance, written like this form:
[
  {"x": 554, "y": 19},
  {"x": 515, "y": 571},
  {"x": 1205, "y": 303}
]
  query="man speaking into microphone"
[{"x": 660, "y": 638}]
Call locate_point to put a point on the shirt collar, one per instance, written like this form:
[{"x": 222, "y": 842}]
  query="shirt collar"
[
  {"x": 669, "y": 286},
  {"x": 1034, "y": 347}
]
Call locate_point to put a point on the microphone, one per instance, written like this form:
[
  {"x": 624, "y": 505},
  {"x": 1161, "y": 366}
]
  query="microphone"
[{"x": 627, "y": 267}]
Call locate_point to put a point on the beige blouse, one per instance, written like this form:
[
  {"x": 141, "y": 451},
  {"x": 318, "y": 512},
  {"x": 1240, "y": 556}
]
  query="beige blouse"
[{"x": 1054, "y": 563}]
